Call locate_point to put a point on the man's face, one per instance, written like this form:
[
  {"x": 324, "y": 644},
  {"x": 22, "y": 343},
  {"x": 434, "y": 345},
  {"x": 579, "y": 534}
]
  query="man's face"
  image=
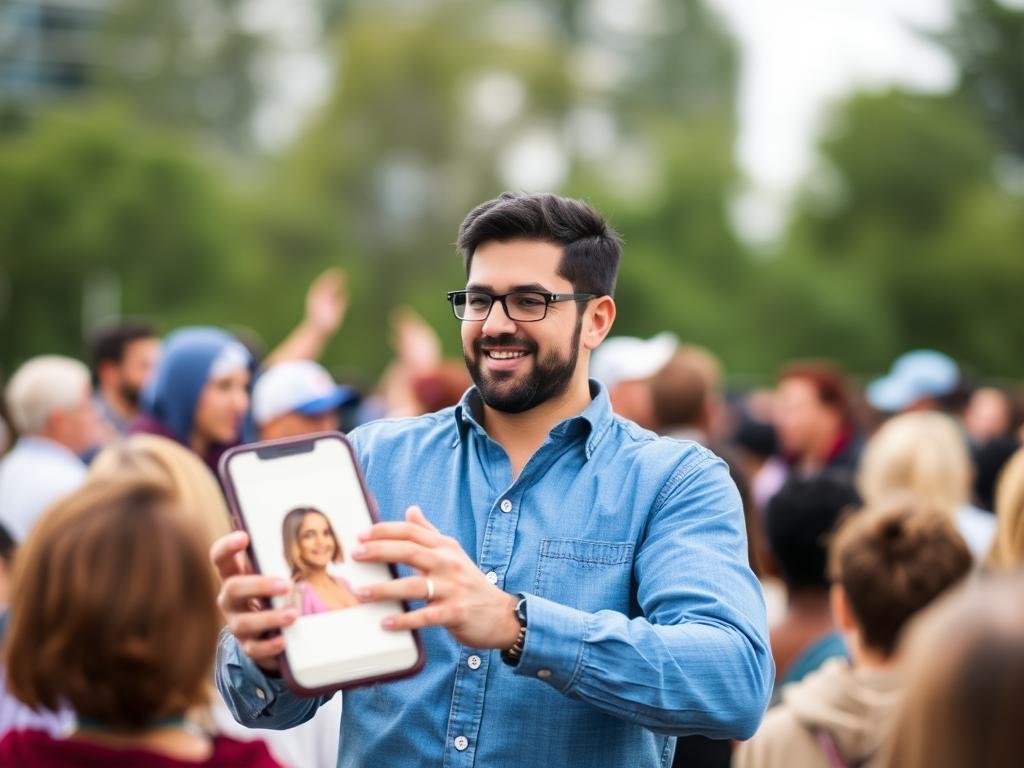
[
  {"x": 518, "y": 366},
  {"x": 137, "y": 364},
  {"x": 79, "y": 427}
]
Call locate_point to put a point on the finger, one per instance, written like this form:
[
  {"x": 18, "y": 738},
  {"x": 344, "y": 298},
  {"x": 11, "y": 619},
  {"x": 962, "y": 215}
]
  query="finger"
[
  {"x": 390, "y": 551},
  {"x": 228, "y": 554},
  {"x": 239, "y": 590},
  {"x": 409, "y": 588},
  {"x": 403, "y": 532},
  {"x": 252, "y": 625},
  {"x": 431, "y": 616},
  {"x": 415, "y": 516},
  {"x": 263, "y": 650}
]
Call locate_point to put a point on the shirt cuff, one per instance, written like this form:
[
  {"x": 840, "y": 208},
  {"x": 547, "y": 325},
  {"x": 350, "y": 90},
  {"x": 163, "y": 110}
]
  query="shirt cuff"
[
  {"x": 554, "y": 646},
  {"x": 248, "y": 691}
]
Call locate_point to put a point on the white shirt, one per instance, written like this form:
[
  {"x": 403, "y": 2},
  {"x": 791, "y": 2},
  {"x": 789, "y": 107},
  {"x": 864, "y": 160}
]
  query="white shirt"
[
  {"x": 978, "y": 529},
  {"x": 33, "y": 476}
]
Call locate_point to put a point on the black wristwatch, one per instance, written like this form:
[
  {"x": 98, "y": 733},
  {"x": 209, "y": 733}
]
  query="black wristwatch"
[{"x": 511, "y": 656}]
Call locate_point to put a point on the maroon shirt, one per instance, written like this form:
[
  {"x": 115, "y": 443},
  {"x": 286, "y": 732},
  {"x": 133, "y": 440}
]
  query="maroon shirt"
[{"x": 40, "y": 750}]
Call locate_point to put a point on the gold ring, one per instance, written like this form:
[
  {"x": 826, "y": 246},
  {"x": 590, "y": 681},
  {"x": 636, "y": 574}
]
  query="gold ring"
[{"x": 430, "y": 589}]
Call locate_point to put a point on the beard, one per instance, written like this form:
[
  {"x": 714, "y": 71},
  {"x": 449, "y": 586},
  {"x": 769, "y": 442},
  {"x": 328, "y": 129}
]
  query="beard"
[
  {"x": 130, "y": 393},
  {"x": 549, "y": 377}
]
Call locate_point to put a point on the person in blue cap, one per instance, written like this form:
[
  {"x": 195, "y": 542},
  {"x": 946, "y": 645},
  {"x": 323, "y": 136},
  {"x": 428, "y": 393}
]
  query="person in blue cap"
[
  {"x": 920, "y": 380},
  {"x": 199, "y": 395}
]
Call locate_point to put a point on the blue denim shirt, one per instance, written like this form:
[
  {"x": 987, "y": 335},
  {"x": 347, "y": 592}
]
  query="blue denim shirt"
[{"x": 644, "y": 619}]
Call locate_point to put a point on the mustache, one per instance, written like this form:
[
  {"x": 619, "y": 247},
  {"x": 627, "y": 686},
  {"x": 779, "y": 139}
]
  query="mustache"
[{"x": 504, "y": 341}]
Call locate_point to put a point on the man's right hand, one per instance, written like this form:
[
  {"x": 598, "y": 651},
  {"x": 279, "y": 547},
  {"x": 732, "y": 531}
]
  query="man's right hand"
[{"x": 240, "y": 598}]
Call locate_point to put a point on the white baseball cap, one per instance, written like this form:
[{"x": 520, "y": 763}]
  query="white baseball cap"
[
  {"x": 627, "y": 358},
  {"x": 297, "y": 385}
]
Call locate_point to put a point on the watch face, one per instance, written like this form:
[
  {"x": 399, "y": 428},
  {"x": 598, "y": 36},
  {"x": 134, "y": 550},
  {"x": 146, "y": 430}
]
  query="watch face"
[{"x": 521, "y": 611}]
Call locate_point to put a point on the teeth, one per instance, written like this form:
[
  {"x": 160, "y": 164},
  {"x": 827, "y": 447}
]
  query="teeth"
[{"x": 497, "y": 355}]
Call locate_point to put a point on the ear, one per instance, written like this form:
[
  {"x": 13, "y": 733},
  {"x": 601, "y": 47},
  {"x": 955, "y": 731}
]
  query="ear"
[
  {"x": 598, "y": 322},
  {"x": 842, "y": 614}
]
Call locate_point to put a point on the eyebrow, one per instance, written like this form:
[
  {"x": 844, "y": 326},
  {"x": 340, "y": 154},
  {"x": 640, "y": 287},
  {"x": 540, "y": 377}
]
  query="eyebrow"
[{"x": 525, "y": 287}]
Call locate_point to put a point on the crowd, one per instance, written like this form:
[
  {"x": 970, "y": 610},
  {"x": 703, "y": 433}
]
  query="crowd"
[{"x": 884, "y": 523}]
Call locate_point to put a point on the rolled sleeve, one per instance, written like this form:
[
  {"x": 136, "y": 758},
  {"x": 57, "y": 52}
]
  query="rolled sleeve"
[{"x": 255, "y": 699}]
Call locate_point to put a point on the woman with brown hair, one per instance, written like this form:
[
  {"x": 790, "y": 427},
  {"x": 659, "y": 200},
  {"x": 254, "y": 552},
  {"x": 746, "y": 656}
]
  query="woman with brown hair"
[
  {"x": 114, "y": 613},
  {"x": 964, "y": 683},
  {"x": 310, "y": 545}
]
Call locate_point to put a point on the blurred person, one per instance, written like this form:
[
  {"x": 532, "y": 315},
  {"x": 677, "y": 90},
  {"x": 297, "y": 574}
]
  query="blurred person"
[
  {"x": 813, "y": 419},
  {"x": 625, "y": 365},
  {"x": 1007, "y": 551},
  {"x": 115, "y": 614},
  {"x": 921, "y": 380},
  {"x": 123, "y": 359},
  {"x": 310, "y": 547},
  {"x": 887, "y": 564},
  {"x": 988, "y": 461},
  {"x": 646, "y": 621},
  {"x": 199, "y": 394},
  {"x": 798, "y": 523},
  {"x": 15, "y": 715},
  {"x": 686, "y": 395},
  {"x": 924, "y": 453},
  {"x": 964, "y": 682},
  {"x": 198, "y": 497},
  {"x": 989, "y": 415},
  {"x": 51, "y": 406},
  {"x": 297, "y": 398}
]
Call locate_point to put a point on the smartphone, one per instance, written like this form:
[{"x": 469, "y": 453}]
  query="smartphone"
[{"x": 303, "y": 502}]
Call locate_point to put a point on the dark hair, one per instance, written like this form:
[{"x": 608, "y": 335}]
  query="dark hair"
[
  {"x": 894, "y": 560},
  {"x": 798, "y": 522},
  {"x": 7, "y": 545},
  {"x": 591, "y": 247},
  {"x": 108, "y": 344},
  {"x": 114, "y": 607},
  {"x": 829, "y": 383}
]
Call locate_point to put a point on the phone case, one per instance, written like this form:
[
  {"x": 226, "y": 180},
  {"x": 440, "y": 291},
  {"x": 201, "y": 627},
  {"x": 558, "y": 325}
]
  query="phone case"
[{"x": 298, "y": 445}]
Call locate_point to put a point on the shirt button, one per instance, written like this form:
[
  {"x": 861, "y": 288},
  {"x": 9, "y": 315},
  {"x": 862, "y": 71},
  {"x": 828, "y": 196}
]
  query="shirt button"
[
  {"x": 260, "y": 694},
  {"x": 461, "y": 743},
  {"x": 473, "y": 662},
  {"x": 492, "y": 577},
  {"x": 543, "y": 674},
  {"x": 506, "y": 506}
]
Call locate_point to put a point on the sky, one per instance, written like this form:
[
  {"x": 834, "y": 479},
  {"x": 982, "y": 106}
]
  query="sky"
[{"x": 798, "y": 57}]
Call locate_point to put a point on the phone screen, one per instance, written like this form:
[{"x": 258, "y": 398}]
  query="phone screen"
[{"x": 303, "y": 511}]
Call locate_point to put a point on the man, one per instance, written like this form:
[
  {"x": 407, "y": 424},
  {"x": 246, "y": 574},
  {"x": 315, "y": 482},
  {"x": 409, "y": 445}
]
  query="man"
[
  {"x": 124, "y": 357},
  {"x": 297, "y": 398},
  {"x": 920, "y": 380},
  {"x": 589, "y": 594},
  {"x": 51, "y": 407},
  {"x": 887, "y": 564}
]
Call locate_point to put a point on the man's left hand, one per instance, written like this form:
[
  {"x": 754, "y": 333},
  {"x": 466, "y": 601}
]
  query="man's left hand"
[{"x": 476, "y": 612}]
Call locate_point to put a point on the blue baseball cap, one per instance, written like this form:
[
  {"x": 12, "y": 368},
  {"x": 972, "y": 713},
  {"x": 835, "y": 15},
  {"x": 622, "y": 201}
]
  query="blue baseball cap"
[
  {"x": 299, "y": 386},
  {"x": 914, "y": 376}
]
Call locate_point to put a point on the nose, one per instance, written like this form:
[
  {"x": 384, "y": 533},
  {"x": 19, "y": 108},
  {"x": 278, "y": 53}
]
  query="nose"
[{"x": 498, "y": 321}]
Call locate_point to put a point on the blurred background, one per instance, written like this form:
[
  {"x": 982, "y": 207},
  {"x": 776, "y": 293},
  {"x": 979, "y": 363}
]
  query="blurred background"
[{"x": 793, "y": 179}]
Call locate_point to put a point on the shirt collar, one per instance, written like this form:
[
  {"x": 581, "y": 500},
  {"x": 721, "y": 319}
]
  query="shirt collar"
[
  {"x": 594, "y": 421},
  {"x": 42, "y": 444}
]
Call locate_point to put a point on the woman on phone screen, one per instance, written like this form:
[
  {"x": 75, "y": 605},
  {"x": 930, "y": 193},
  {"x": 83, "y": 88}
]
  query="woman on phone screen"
[{"x": 310, "y": 545}]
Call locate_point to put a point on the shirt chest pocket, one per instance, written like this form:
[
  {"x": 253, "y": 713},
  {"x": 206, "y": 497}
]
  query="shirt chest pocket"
[{"x": 589, "y": 575}]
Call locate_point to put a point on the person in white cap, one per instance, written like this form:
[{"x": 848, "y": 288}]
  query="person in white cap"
[
  {"x": 297, "y": 398},
  {"x": 625, "y": 365}
]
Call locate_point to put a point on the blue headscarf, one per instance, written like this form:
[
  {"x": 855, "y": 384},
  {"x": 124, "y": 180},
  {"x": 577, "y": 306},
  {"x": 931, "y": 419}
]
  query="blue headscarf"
[{"x": 185, "y": 363}]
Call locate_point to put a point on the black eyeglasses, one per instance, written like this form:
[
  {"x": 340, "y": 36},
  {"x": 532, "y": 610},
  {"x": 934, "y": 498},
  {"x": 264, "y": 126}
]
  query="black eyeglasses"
[{"x": 520, "y": 306}]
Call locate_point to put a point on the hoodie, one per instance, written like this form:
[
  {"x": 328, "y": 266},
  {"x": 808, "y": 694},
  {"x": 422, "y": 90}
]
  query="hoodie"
[
  {"x": 170, "y": 399},
  {"x": 853, "y": 705}
]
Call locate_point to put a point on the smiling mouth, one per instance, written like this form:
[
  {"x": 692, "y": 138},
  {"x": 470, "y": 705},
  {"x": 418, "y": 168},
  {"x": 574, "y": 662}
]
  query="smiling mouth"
[{"x": 504, "y": 354}]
